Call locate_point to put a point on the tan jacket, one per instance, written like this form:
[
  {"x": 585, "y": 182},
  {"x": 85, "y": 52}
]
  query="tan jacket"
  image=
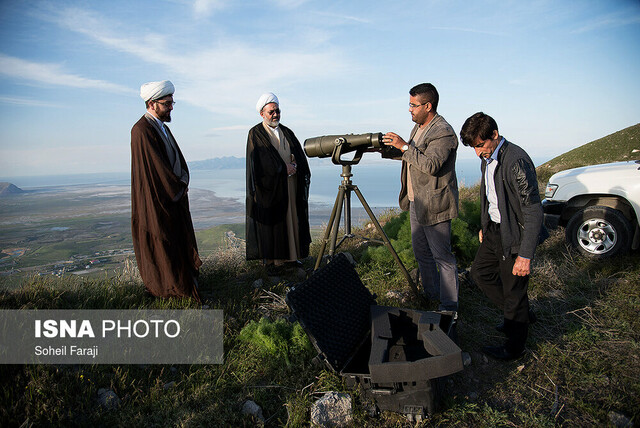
[{"x": 433, "y": 173}]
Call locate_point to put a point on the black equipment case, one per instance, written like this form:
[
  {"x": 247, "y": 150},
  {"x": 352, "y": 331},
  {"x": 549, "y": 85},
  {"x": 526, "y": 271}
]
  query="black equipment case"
[{"x": 396, "y": 355}]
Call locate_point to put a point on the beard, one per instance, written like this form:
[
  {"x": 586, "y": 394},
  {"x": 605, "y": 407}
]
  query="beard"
[
  {"x": 163, "y": 114},
  {"x": 273, "y": 123},
  {"x": 166, "y": 117}
]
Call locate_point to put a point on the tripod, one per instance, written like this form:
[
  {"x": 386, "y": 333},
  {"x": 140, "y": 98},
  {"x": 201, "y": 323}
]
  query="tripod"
[{"x": 344, "y": 198}]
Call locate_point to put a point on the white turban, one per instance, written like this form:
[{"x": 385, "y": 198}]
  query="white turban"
[
  {"x": 265, "y": 99},
  {"x": 156, "y": 90}
]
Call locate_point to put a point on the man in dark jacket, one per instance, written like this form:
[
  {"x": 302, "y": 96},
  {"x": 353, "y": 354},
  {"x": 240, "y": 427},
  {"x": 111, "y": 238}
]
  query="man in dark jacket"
[
  {"x": 511, "y": 217},
  {"x": 278, "y": 179}
]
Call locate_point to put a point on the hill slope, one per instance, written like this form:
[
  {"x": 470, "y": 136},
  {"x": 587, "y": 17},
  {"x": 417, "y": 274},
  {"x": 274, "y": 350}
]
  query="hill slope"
[
  {"x": 7, "y": 189},
  {"x": 619, "y": 146}
]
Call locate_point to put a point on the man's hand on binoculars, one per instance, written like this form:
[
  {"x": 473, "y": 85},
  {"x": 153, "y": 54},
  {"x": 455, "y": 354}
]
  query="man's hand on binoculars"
[{"x": 393, "y": 139}]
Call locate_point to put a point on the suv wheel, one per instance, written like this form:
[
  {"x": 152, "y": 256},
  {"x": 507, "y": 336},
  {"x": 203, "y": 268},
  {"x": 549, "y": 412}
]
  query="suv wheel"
[{"x": 599, "y": 232}]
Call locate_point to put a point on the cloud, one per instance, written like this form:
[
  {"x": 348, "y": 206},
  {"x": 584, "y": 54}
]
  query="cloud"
[
  {"x": 149, "y": 47},
  {"x": 611, "y": 21},
  {"x": 230, "y": 128},
  {"x": 344, "y": 17},
  {"x": 78, "y": 158},
  {"x": 53, "y": 74},
  {"x": 468, "y": 30},
  {"x": 204, "y": 8},
  {"x": 224, "y": 73},
  {"x": 227, "y": 130},
  {"x": 288, "y": 4},
  {"x": 26, "y": 102}
]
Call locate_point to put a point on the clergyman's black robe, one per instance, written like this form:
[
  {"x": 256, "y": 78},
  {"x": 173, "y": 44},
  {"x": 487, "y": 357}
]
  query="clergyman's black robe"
[
  {"x": 161, "y": 226},
  {"x": 267, "y": 197}
]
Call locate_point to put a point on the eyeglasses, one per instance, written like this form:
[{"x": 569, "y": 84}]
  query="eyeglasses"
[
  {"x": 167, "y": 103},
  {"x": 412, "y": 105},
  {"x": 272, "y": 112}
]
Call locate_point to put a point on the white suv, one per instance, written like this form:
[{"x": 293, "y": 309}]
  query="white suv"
[{"x": 599, "y": 205}]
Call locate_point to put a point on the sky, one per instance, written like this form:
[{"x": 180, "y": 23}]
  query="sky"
[{"x": 554, "y": 74}]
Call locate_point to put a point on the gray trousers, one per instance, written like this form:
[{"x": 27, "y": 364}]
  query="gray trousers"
[{"x": 437, "y": 264}]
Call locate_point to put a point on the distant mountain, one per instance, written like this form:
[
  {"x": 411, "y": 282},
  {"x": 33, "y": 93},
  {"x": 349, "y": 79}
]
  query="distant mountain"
[
  {"x": 8, "y": 189},
  {"x": 226, "y": 162}
]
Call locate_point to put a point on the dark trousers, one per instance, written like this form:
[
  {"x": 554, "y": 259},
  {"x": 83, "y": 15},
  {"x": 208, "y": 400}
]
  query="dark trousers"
[{"x": 492, "y": 271}]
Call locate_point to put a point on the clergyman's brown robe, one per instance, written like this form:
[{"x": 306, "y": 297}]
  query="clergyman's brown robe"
[{"x": 163, "y": 238}]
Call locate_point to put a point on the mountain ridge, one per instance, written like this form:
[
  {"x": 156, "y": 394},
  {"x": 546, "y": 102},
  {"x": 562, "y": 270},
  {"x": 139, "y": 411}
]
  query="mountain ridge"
[
  {"x": 9, "y": 189},
  {"x": 225, "y": 162}
]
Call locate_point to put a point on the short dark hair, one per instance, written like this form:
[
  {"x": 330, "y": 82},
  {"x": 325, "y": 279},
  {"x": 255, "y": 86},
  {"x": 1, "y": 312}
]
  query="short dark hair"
[
  {"x": 428, "y": 91},
  {"x": 479, "y": 125}
]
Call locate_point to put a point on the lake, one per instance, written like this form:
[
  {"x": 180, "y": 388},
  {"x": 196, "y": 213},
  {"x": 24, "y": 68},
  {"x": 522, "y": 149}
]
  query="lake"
[{"x": 379, "y": 182}]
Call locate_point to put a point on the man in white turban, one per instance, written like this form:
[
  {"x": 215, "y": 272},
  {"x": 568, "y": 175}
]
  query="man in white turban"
[
  {"x": 266, "y": 98},
  {"x": 161, "y": 226},
  {"x": 278, "y": 179},
  {"x": 156, "y": 90}
]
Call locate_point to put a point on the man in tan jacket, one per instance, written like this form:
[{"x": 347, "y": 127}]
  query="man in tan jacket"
[{"x": 429, "y": 192}]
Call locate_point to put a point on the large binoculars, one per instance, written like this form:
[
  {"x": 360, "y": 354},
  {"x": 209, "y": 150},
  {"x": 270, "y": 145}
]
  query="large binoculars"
[{"x": 337, "y": 145}]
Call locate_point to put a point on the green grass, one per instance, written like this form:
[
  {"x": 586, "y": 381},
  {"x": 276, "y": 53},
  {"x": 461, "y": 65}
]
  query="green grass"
[
  {"x": 213, "y": 238},
  {"x": 582, "y": 362}
]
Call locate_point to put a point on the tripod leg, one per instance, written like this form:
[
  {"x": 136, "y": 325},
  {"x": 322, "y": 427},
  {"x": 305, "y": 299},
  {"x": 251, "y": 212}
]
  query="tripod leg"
[
  {"x": 336, "y": 223},
  {"x": 337, "y": 208},
  {"x": 386, "y": 241},
  {"x": 347, "y": 212}
]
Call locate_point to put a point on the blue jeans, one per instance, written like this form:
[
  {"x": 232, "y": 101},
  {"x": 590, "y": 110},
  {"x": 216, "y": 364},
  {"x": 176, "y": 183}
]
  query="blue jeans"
[{"x": 437, "y": 264}]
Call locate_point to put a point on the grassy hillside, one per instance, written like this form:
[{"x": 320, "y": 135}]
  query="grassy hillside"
[
  {"x": 581, "y": 369},
  {"x": 209, "y": 240},
  {"x": 619, "y": 146}
]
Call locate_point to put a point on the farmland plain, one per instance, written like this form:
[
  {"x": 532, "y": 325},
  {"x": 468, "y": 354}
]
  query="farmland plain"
[{"x": 85, "y": 229}]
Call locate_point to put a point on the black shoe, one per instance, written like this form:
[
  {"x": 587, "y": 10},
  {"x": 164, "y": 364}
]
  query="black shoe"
[
  {"x": 501, "y": 353},
  {"x": 273, "y": 270},
  {"x": 294, "y": 264},
  {"x": 532, "y": 320}
]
